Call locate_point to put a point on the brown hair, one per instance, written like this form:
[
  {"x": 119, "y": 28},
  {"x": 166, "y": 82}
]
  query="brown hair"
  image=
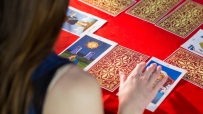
[{"x": 28, "y": 31}]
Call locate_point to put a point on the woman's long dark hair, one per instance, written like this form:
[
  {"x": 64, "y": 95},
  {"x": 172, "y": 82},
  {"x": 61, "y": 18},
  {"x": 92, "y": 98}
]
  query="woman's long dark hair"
[{"x": 28, "y": 31}]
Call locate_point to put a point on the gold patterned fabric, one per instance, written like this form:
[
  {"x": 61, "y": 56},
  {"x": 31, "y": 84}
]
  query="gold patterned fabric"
[
  {"x": 113, "y": 7},
  {"x": 184, "y": 20},
  {"x": 152, "y": 10},
  {"x": 191, "y": 62},
  {"x": 106, "y": 71}
]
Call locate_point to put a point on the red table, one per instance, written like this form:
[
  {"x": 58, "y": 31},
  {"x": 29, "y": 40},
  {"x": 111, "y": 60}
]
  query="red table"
[{"x": 148, "y": 39}]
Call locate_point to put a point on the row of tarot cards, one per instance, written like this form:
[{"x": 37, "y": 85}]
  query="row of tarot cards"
[
  {"x": 104, "y": 58},
  {"x": 181, "y": 21}
]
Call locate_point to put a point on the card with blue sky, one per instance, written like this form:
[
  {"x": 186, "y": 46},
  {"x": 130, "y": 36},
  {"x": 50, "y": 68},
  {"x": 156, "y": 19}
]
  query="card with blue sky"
[
  {"x": 174, "y": 74},
  {"x": 195, "y": 43},
  {"x": 87, "y": 50},
  {"x": 78, "y": 22}
]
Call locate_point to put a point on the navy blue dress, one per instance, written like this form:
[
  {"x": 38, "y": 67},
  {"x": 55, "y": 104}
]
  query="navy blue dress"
[{"x": 42, "y": 77}]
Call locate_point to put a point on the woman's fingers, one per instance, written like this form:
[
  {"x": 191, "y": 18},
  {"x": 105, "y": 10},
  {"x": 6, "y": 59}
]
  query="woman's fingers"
[
  {"x": 138, "y": 69},
  {"x": 154, "y": 76},
  {"x": 123, "y": 77},
  {"x": 160, "y": 83},
  {"x": 149, "y": 71}
]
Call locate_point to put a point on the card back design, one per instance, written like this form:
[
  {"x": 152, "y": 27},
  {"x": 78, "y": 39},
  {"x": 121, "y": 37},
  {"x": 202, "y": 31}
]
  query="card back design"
[
  {"x": 106, "y": 71},
  {"x": 184, "y": 20},
  {"x": 191, "y": 62},
  {"x": 113, "y": 7},
  {"x": 152, "y": 10}
]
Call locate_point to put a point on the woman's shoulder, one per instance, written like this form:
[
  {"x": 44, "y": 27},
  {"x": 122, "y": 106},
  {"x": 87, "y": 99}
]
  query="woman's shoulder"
[{"x": 72, "y": 86}]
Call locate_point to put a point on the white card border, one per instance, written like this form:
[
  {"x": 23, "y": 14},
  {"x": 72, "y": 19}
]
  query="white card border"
[
  {"x": 112, "y": 43},
  {"x": 194, "y": 55},
  {"x": 134, "y": 1},
  {"x": 157, "y": 20},
  {"x": 190, "y": 40},
  {"x": 152, "y": 107},
  {"x": 171, "y": 14},
  {"x": 91, "y": 29}
]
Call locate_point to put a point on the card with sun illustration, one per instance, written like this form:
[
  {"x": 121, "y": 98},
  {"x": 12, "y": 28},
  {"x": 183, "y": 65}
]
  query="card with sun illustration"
[
  {"x": 184, "y": 20},
  {"x": 112, "y": 7},
  {"x": 87, "y": 50},
  {"x": 152, "y": 10},
  {"x": 106, "y": 70},
  {"x": 78, "y": 22}
]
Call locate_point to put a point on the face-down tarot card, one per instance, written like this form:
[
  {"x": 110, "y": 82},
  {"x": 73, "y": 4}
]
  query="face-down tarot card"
[{"x": 106, "y": 70}]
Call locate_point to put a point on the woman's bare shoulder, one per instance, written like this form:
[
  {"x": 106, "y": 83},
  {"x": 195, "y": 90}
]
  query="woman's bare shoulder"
[{"x": 75, "y": 91}]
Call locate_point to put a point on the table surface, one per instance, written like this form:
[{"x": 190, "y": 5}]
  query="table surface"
[{"x": 148, "y": 39}]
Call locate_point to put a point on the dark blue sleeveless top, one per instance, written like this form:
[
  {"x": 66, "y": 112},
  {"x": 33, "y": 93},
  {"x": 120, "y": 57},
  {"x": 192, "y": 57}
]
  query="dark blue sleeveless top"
[{"x": 42, "y": 77}]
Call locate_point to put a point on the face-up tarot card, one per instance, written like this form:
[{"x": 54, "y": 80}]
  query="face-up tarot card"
[
  {"x": 152, "y": 10},
  {"x": 193, "y": 63},
  {"x": 195, "y": 44},
  {"x": 174, "y": 76},
  {"x": 87, "y": 50},
  {"x": 78, "y": 22},
  {"x": 106, "y": 70},
  {"x": 184, "y": 20},
  {"x": 112, "y": 7}
]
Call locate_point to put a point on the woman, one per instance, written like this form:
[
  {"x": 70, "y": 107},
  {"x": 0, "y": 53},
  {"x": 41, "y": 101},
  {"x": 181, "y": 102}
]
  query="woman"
[{"x": 35, "y": 80}]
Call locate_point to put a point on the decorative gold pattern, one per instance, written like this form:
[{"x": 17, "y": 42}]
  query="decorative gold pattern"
[
  {"x": 113, "y": 7},
  {"x": 119, "y": 59},
  {"x": 184, "y": 20},
  {"x": 191, "y": 62},
  {"x": 152, "y": 10}
]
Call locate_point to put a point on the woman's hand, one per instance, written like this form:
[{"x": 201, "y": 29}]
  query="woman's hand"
[{"x": 139, "y": 89}]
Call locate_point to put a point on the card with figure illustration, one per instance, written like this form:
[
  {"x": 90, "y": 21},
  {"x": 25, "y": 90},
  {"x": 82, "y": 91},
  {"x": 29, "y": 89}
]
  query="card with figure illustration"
[
  {"x": 184, "y": 19},
  {"x": 190, "y": 61},
  {"x": 174, "y": 76},
  {"x": 106, "y": 70},
  {"x": 195, "y": 43},
  {"x": 87, "y": 50},
  {"x": 152, "y": 10},
  {"x": 112, "y": 7},
  {"x": 78, "y": 22}
]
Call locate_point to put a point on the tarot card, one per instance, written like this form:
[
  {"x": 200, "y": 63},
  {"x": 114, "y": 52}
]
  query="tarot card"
[
  {"x": 87, "y": 50},
  {"x": 106, "y": 70},
  {"x": 193, "y": 63},
  {"x": 174, "y": 76},
  {"x": 112, "y": 7},
  {"x": 78, "y": 22},
  {"x": 195, "y": 44},
  {"x": 152, "y": 10},
  {"x": 184, "y": 20}
]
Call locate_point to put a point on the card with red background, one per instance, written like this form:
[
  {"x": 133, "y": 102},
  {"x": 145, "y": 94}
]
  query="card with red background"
[{"x": 106, "y": 70}]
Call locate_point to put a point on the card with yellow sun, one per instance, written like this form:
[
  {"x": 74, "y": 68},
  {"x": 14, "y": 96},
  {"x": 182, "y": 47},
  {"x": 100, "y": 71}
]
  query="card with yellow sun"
[{"x": 87, "y": 50}]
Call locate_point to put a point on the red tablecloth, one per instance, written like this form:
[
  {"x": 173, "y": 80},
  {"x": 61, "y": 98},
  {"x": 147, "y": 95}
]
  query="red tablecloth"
[{"x": 148, "y": 39}]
